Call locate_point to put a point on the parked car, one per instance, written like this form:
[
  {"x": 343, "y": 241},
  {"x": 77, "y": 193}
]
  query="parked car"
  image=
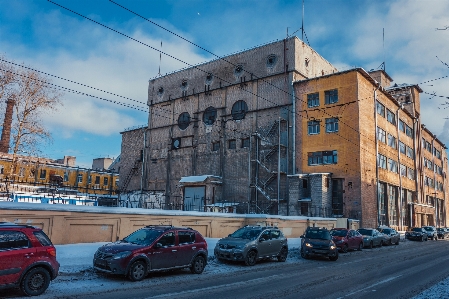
[
  {"x": 391, "y": 235},
  {"x": 153, "y": 248},
  {"x": 27, "y": 258},
  {"x": 346, "y": 239},
  {"x": 253, "y": 243},
  {"x": 431, "y": 232},
  {"x": 442, "y": 232},
  {"x": 317, "y": 241},
  {"x": 371, "y": 237},
  {"x": 416, "y": 233}
]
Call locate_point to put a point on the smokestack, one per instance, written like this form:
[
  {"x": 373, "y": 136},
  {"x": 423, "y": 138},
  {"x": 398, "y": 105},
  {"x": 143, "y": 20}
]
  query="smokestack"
[{"x": 7, "y": 122}]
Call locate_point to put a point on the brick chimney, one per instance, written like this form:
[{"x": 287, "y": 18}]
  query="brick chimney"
[{"x": 7, "y": 122}]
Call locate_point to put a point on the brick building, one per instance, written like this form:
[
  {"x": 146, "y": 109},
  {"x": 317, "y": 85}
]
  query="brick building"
[{"x": 277, "y": 129}]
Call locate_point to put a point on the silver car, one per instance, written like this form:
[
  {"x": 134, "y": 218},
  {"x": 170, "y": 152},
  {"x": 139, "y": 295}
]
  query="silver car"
[
  {"x": 252, "y": 243},
  {"x": 371, "y": 237}
]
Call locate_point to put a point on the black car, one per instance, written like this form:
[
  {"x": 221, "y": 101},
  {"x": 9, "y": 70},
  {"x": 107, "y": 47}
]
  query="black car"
[
  {"x": 392, "y": 234},
  {"x": 416, "y": 233},
  {"x": 442, "y": 233},
  {"x": 431, "y": 232},
  {"x": 318, "y": 242}
]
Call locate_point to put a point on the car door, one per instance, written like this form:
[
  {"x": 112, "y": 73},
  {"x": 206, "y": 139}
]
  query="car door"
[
  {"x": 377, "y": 238},
  {"x": 165, "y": 252},
  {"x": 352, "y": 240},
  {"x": 186, "y": 247},
  {"x": 264, "y": 247},
  {"x": 16, "y": 253},
  {"x": 277, "y": 241}
]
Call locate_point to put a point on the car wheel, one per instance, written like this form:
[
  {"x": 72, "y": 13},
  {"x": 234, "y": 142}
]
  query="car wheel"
[
  {"x": 422, "y": 239},
  {"x": 198, "y": 265},
  {"x": 427, "y": 239},
  {"x": 282, "y": 257},
  {"x": 304, "y": 255},
  {"x": 137, "y": 271},
  {"x": 35, "y": 282},
  {"x": 251, "y": 257},
  {"x": 360, "y": 246},
  {"x": 397, "y": 242},
  {"x": 334, "y": 258},
  {"x": 345, "y": 248},
  {"x": 370, "y": 245}
]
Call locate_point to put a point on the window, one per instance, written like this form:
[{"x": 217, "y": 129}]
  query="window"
[
  {"x": 437, "y": 153},
  {"x": 209, "y": 116},
  {"x": 215, "y": 146},
  {"x": 391, "y": 117},
  {"x": 313, "y": 127},
  {"x": 2, "y": 169},
  {"x": 271, "y": 60},
  {"x": 427, "y": 145},
  {"x": 408, "y": 131},
  {"x": 428, "y": 164},
  {"x": 331, "y": 125},
  {"x": 410, "y": 173},
  {"x": 184, "y": 120},
  {"x": 245, "y": 143},
  {"x": 167, "y": 240},
  {"x": 231, "y": 144},
  {"x": 239, "y": 110},
  {"x": 97, "y": 180},
  {"x": 320, "y": 158},
  {"x": 21, "y": 172},
  {"x": 186, "y": 237},
  {"x": 410, "y": 152},
  {"x": 380, "y": 109},
  {"x": 392, "y": 165},
  {"x": 80, "y": 178},
  {"x": 10, "y": 240},
  {"x": 403, "y": 170},
  {"x": 382, "y": 161},
  {"x": 313, "y": 100},
  {"x": 42, "y": 237},
  {"x": 391, "y": 141},
  {"x": 381, "y": 135},
  {"x": 105, "y": 181},
  {"x": 66, "y": 176},
  {"x": 43, "y": 174},
  {"x": 331, "y": 96},
  {"x": 402, "y": 147},
  {"x": 401, "y": 126},
  {"x": 89, "y": 179},
  {"x": 275, "y": 234}
]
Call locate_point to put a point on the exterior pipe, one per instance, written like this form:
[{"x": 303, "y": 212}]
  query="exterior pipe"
[{"x": 377, "y": 154}]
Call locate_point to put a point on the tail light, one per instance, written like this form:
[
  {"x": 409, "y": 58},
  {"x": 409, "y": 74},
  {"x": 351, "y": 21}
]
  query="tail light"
[{"x": 51, "y": 251}]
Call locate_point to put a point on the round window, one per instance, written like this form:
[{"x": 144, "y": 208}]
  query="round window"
[
  {"x": 239, "y": 110},
  {"x": 184, "y": 120},
  {"x": 184, "y": 84},
  {"x": 271, "y": 60},
  {"x": 209, "y": 116},
  {"x": 238, "y": 70},
  {"x": 160, "y": 90}
]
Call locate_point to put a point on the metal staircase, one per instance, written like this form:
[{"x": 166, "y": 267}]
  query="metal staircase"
[{"x": 131, "y": 173}]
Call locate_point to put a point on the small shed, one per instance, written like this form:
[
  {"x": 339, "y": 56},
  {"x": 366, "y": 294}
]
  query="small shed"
[{"x": 199, "y": 191}]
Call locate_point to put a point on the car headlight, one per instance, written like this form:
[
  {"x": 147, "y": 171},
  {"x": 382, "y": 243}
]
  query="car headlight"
[
  {"x": 332, "y": 247},
  {"x": 308, "y": 245},
  {"x": 121, "y": 255}
]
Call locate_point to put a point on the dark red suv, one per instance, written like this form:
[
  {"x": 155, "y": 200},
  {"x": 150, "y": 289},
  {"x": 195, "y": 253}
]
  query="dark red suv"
[
  {"x": 27, "y": 258},
  {"x": 153, "y": 248}
]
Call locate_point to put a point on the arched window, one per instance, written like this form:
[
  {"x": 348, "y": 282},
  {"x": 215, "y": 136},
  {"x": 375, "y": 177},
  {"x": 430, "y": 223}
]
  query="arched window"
[
  {"x": 209, "y": 116},
  {"x": 184, "y": 120},
  {"x": 239, "y": 110}
]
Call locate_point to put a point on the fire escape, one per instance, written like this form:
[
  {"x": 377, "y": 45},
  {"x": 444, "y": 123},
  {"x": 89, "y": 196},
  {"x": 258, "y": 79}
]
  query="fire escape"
[
  {"x": 268, "y": 167},
  {"x": 131, "y": 173}
]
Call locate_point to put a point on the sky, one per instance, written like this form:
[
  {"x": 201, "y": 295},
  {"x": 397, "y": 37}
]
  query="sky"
[{"x": 112, "y": 67}]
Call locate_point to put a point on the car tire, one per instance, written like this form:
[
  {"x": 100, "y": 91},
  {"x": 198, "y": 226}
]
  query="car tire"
[
  {"x": 251, "y": 258},
  {"x": 397, "y": 242},
  {"x": 360, "y": 246},
  {"x": 198, "y": 265},
  {"x": 334, "y": 258},
  {"x": 35, "y": 281},
  {"x": 370, "y": 245},
  {"x": 304, "y": 255},
  {"x": 344, "y": 248},
  {"x": 422, "y": 239},
  {"x": 282, "y": 257},
  {"x": 137, "y": 271}
]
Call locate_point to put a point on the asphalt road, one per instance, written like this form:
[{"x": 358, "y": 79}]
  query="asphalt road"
[{"x": 387, "y": 272}]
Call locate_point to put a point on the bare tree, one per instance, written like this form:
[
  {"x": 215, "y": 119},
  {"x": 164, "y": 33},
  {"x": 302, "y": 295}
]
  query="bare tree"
[{"x": 33, "y": 98}]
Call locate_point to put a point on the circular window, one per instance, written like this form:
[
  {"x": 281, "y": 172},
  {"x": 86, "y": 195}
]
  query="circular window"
[
  {"x": 238, "y": 70},
  {"x": 271, "y": 60},
  {"x": 209, "y": 78},
  {"x": 239, "y": 110},
  {"x": 184, "y": 120},
  {"x": 209, "y": 116},
  {"x": 160, "y": 91},
  {"x": 184, "y": 84}
]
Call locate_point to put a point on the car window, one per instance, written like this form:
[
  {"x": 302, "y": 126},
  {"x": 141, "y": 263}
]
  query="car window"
[
  {"x": 275, "y": 234},
  {"x": 143, "y": 236},
  {"x": 167, "y": 240},
  {"x": 318, "y": 234},
  {"x": 338, "y": 233},
  {"x": 246, "y": 233},
  {"x": 42, "y": 237},
  {"x": 11, "y": 240},
  {"x": 366, "y": 232},
  {"x": 185, "y": 237},
  {"x": 266, "y": 235}
]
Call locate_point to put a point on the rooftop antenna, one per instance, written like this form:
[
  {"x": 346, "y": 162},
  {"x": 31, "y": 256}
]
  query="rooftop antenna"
[
  {"x": 383, "y": 44},
  {"x": 160, "y": 60},
  {"x": 302, "y": 25}
]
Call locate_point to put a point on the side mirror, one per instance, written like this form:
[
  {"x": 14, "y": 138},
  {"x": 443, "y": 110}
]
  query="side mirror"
[
  {"x": 229, "y": 235},
  {"x": 261, "y": 239},
  {"x": 159, "y": 245},
  {"x": 302, "y": 236}
]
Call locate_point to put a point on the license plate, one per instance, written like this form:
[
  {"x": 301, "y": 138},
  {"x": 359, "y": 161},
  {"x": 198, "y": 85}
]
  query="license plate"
[
  {"x": 320, "y": 251},
  {"x": 101, "y": 262}
]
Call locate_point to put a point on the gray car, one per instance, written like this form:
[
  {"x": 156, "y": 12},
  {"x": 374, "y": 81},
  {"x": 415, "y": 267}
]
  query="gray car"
[
  {"x": 431, "y": 232},
  {"x": 371, "y": 237},
  {"x": 252, "y": 243}
]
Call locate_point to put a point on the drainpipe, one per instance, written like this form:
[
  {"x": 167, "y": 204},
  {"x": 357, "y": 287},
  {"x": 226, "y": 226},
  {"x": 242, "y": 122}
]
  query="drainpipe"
[
  {"x": 279, "y": 163},
  {"x": 401, "y": 199},
  {"x": 434, "y": 181},
  {"x": 377, "y": 153},
  {"x": 293, "y": 130}
]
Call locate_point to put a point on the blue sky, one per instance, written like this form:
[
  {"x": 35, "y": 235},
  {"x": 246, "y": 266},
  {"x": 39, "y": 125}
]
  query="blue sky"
[{"x": 46, "y": 37}]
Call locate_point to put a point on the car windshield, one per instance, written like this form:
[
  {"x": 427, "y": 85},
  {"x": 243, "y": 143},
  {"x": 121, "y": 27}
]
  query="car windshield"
[
  {"x": 246, "y": 233},
  {"x": 386, "y": 231},
  {"x": 318, "y": 234},
  {"x": 440, "y": 229},
  {"x": 428, "y": 228},
  {"x": 143, "y": 236},
  {"x": 366, "y": 232},
  {"x": 338, "y": 233},
  {"x": 417, "y": 229}
]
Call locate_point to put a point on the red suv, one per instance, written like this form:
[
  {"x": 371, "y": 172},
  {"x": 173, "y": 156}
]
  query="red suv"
[
  {"x": 346, "y": 239},
  {"x": 27, "y": 258},
  {"x": 153, "y": 248}
]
